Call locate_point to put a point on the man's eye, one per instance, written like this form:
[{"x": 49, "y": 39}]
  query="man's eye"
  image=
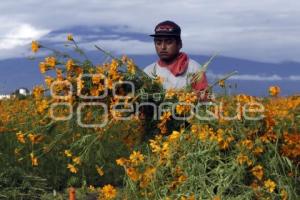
[{"x": 169, "y": 41}]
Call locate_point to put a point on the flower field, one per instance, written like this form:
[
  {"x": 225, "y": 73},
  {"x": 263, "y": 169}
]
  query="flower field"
[{"x": 94, "y": 127}]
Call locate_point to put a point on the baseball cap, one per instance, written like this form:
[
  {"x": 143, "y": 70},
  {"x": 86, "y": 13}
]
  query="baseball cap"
[{"x": 166, "y": 28}]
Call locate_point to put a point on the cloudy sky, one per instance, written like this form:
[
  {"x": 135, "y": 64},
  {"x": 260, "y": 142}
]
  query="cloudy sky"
[{"x": 261, "y": 30}]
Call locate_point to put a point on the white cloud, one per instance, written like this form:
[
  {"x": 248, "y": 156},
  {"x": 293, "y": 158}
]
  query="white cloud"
[
  {"x": 122, "y": 46},
  {"x": 20, "y": 35},
  {"x": 294, "y": 78},
  {"x": 265, "y": 30}
]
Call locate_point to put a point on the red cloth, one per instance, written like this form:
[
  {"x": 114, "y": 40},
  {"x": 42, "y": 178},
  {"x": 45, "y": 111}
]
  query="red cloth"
[
  {"x": 178, "y": 66},
  {"x": 201, "y": 84}
]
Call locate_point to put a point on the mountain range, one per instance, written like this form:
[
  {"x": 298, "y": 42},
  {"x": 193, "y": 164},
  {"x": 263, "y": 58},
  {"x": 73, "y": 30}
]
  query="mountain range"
[{"x": 252, "y": 78}]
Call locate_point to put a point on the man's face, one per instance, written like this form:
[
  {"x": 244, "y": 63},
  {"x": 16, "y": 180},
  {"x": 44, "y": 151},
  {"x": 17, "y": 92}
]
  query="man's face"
[{"x": 167, "y": 48}]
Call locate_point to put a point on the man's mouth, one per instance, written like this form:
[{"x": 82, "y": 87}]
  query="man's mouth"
[{"x": 163, "y": 53}]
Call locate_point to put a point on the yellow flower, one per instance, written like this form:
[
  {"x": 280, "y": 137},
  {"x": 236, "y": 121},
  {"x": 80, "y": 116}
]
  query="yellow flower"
[
  {"x": 99, "y": 170},
  {"x": 50, "y": 61},
  {"x": 77, "y": 160},
  {"x": 34, "y": 160},
  {"x": 242, "y": 159},
  {"x": 170, "y": 93},
  {"x": 188, "y": 198},
  {"x": 182, "y": 178},
  {"x": 35, "y": 46},
  {"x": 222, "y": 83},
  {"x": 48, "y": 81},
  {"x": 69, "y": 64},
  {"x": 159, "y": 80},
  {"x": 132, "y": 173},
  {"x": 284, "y": 194},
  {"x": 91, "y": 188},
  {"x": 96, "y": 78},
  {"x": 42, "y": 105},
  {"x": 166, "y": 116},
  {"x": 17, "y": 151},
  {"x": 180, "y": 109},
  {"x": 72, "y": 168},
  {"x": 174, "y": 136},
  {"x": 121, "y": 161},
  {"x": 68, "y": 153},
  {"x": 258, "y": 172},
  {"x": 247, "y": 143},
  {"x": 109, "y": 192},
  {"x": 136, "y": 158},
  {"x": 217, "y": 198},
  {"x": 20, "y": 137},
  {"x": 258, "y": 150},
  {"x": 147, "y": 176},
  {"x": 165, "y": 150},
  {"x": 43, "y": 67},
  {"x": 130, "y": 66},
  {"x": 34, "y": 138},
  {"x": 274, "y": 90},
  {"x": 270, "y": 185},
  {"x": 155, "y": 147},
  {"x": 70, "y": 37},
  {"x": 38, "y": 92}
]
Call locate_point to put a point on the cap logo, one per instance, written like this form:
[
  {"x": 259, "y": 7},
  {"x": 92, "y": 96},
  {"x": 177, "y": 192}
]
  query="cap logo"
[{"x": 164, "y": 28}]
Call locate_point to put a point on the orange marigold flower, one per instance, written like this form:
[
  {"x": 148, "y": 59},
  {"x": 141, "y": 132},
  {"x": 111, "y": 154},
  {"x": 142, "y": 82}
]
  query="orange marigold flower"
[
  {"x": 147, "y": 177},
  {"x": 274, "y": 90},
  {"x": 170, "y": 93},
  {"x": 109, "y": 192},
  {"x": 72, "y": 168},
  {"x": 34, "y": 138},
  {"x": 42, "y": 105},
  {"x": 43, "y": 67},
  {"x": 50, "y": 61},
  {"x": 243, "y": 159},
  {"x": 247, "y": 143},
  {"x": 20, "y": 137},
  {"x": 136, "y": 158},
  {"x": 38, "y": 92},
  {"x": 180, "y": 109},
  {"x": 69, "y": 64},
  {"x": 34, "y": 160},
  {"x": 174, "y": 136},
  {"x": 121, "y": 161},
  {"x": 77, "y": 160},
  {"x": 131, "y": 66},
  {"x": 258, "y": 172},
  {"x": 35, "y": 46},
  {"x": 258, "y": 150},
  {"x": 100, "y": 170},
  {"x": 217, "y": 198},
  {"x": 49, "y": 80},
  {"x": 284, "y": 194},
  {"x": 133, "y": 174}
]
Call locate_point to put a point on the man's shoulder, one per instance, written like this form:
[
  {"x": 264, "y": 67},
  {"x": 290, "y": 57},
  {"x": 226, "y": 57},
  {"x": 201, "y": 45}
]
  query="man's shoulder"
[{"x": 150, "y": 68}]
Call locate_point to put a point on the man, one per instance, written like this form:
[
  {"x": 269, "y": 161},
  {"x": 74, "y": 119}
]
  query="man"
[{"x": 173, "y": 67}]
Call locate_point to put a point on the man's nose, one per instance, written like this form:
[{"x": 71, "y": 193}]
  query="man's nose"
[{"x": 164, "y": 45}]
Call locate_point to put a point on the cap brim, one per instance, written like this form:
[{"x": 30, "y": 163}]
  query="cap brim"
[{"x": 163, "y": 34}]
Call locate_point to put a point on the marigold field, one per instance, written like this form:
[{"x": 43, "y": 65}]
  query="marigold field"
[{"x": 241, "y": 147}]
